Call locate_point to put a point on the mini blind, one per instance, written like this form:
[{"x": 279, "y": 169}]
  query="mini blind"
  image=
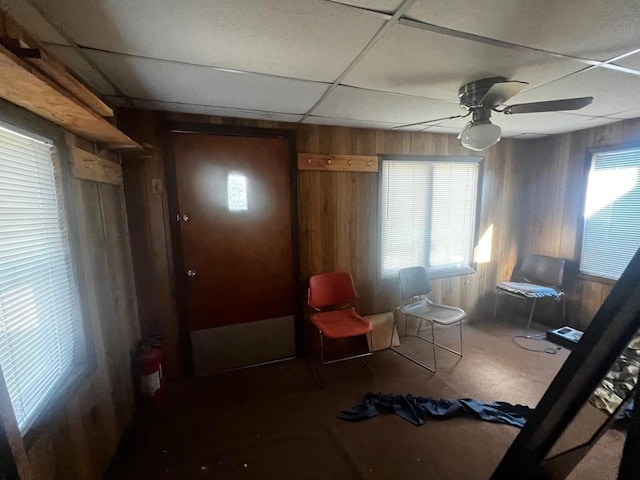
[
  {"x": 428, "y": 213},
  {"x": 39, "y": 310},
  {"x": 612, "y": 213},
  {"x": 453, "y": 214}
]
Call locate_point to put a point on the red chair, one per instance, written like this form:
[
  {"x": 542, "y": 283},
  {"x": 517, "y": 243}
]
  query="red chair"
[{"x": 331, "y": 295}]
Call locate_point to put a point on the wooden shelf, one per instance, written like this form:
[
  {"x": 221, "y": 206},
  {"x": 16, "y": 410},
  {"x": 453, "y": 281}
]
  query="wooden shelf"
[{"x": 29, "y": 88}]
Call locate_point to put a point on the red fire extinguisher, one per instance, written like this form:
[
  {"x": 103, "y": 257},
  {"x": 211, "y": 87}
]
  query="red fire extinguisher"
[{"x": 149, "y": 367}]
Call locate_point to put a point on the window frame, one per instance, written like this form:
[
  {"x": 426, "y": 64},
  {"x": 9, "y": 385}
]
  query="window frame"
[
  {"x": 584, "y": 184},
  {"x": 85, "y": 364},
  {"x": 438, "y": 273}
]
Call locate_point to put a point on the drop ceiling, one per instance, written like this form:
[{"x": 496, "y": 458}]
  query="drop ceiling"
[{"x": 359, "y": 63}]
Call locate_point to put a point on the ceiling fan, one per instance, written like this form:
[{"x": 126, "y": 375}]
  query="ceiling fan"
[{"x": 482, "y": 97}]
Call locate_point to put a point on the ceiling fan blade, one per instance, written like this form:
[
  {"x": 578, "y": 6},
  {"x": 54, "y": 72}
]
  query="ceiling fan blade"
[
  {"x": 500, "y": 92},
  {"x": 430, "y": 121},
  {"x": 549, "y": 106}
]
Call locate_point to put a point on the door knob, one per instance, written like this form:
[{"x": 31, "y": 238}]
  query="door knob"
[{"x": 191, "y": 273}]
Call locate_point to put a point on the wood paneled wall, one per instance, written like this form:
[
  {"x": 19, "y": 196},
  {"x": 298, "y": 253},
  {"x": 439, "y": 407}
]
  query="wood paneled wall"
[
  {"x": 82, "y": 429},
  {"x": 337, "y": 216},
  {"x": 553, "y": 177}
]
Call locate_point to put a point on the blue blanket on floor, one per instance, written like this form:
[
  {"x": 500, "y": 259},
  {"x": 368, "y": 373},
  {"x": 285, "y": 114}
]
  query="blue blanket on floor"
[{"x": 418, "y": 410}]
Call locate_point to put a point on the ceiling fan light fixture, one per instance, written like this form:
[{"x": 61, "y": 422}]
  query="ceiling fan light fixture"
[{"x": 480, "y": 135}]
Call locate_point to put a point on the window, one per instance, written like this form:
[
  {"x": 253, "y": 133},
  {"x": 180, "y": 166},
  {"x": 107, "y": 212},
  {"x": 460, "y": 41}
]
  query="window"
[
  {"x": 237, "y": 192},
  {"x": 611, "y": 214},
  {"x": 428, "y": 214},
  {"x": 39, "y": 309}
]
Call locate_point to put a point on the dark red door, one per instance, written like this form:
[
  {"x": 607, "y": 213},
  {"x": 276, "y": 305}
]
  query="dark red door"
[{"x": 234, "y": 199}]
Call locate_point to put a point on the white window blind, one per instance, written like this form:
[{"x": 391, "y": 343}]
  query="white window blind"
[
  {"x": 39, "y": 310},
  {"x": 428, "y": 214},
  {"x": 612, "y": 213}
]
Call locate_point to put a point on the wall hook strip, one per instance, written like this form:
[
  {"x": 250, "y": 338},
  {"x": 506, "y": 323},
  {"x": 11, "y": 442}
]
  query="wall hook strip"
[{"x": 337, "y": 163}]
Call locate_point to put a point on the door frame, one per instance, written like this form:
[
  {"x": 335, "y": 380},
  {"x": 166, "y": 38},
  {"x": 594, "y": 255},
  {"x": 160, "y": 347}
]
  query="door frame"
[{"x": 180, "y": 284}]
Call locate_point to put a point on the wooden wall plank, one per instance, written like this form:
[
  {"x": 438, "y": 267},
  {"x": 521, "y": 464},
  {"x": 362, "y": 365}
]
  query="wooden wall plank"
[
  {"x": 553, "y": 187},
  {"x": 124, "y": 340},
  {"x": 148, "y": 220},
  {"x": 337, "y": 211}
]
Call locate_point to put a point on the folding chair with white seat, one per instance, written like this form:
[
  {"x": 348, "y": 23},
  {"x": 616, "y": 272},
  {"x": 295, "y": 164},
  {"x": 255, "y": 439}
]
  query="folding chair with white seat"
[
  {"x": 538, "y": 277},
  {"x": 414, "y": 287}
]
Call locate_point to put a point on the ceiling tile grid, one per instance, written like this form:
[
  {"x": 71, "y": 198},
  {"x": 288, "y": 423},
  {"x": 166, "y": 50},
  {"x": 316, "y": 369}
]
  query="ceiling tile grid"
[
  {"x": 368, "y": 105},
  {"x": 71, "y": 57},
  {"x": 214, "y": 111},
  {"x": 613, "y": 91},
  {"x": 306, "y": 39},
  {"x": 341, "y": 122},
  {"x": 386, "y": 6},
  {"x": 28, "y": 16},
  {"x": 257, "y": 58},
  {"x": 418, "y": 62},
  {"x": 591, "y": 29},
  {"x": 179, "y": 83}
]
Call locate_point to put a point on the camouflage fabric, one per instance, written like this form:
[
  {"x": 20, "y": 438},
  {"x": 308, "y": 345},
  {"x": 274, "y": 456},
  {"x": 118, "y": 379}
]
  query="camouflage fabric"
[{"x": 619, "y": 383}]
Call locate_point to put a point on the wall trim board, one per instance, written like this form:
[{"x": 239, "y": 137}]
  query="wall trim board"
[
  {"x": 337, "y": 163},
  {"x": 169, "y": 128},
  {"x": 88, "y": 166}
]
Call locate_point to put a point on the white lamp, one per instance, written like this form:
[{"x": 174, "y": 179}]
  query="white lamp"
[{"x": 480, "y": 135}]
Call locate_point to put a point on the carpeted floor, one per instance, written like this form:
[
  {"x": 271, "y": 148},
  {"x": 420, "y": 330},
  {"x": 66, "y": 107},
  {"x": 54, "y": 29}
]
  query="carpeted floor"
[{"x": 273, "y": 422}]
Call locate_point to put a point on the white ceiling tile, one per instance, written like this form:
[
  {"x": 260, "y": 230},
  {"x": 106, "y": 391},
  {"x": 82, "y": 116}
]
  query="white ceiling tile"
[
  {"x": 539, "y": 123},
  {"x": 413, "y": 61},
  {"x": 387, "y": 6},
  {"x": 181, "y": 83},
  {"x": 593, "y": 29},
  {"x": 341, "y": 122},
  {"x": 216, "y": 111},
  {"x": 308, "y": 39},
  {"x": 358, "y": 104},
  {"x": 70, "y": 57},
  {"x": 613, "y": 91},
  {"x": 25, "y": 15}
]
